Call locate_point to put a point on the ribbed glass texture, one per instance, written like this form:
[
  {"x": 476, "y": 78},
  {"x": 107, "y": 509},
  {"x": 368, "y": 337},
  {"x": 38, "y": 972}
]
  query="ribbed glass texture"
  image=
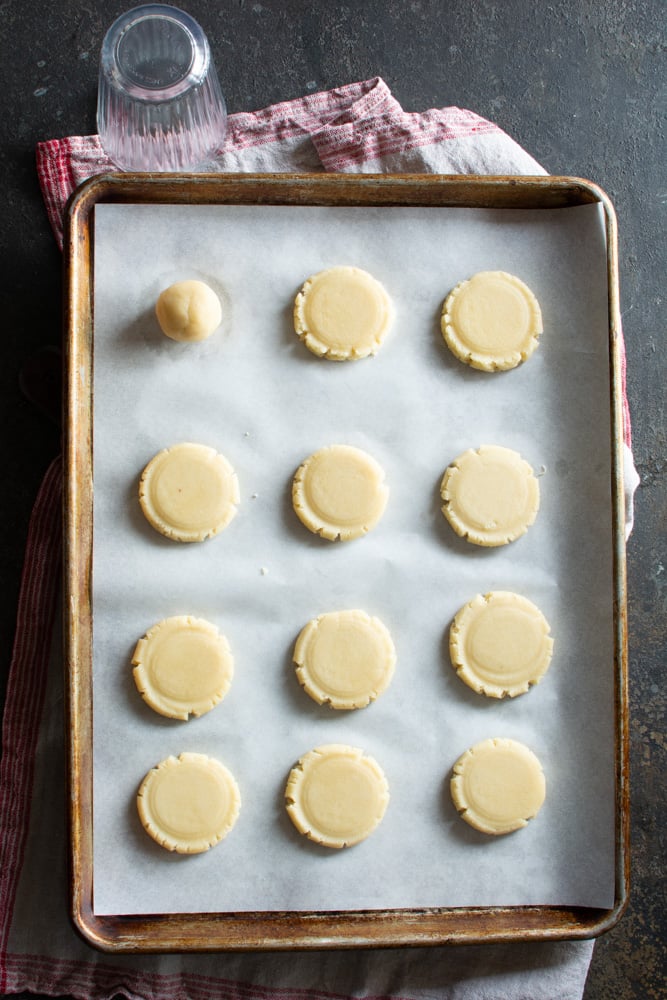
[{"x": 159, "y": 103}]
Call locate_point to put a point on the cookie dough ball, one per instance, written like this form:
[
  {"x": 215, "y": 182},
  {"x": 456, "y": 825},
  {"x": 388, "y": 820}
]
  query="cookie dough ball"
[
  {"x": 344, "y": 659},
  {"x": 188, "y": 311},
  {"x": 189, "y": 492},
  {"x": 183, "y": 666},
  {"x": 339, "y": 492},
  {"x": 490, "y": 496},
  {"x": 492, "y": 321},
  {"x": 342, "y": 314},
  {"x": 336, "y": 795},
  {"x": 500, "y": 644},
  {"x": 498, "y": 786},
  {"x": 188, "y": 803}
]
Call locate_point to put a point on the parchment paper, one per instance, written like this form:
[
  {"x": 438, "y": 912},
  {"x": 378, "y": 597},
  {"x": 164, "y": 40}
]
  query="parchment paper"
[{"x": 255, "y": 393}]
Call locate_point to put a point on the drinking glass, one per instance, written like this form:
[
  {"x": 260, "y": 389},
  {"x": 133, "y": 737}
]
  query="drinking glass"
[{"x": 159, "y": 105}]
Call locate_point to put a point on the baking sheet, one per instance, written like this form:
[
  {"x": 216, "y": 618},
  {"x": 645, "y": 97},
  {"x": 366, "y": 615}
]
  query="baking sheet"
[{"x": 254, "y": 393}]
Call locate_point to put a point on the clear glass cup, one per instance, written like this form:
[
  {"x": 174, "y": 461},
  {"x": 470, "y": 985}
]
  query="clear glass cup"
[{"x": 159, "y": 103}]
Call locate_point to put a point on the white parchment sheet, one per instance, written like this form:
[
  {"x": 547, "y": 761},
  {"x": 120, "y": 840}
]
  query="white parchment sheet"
[{"x": 253, "y": 392}]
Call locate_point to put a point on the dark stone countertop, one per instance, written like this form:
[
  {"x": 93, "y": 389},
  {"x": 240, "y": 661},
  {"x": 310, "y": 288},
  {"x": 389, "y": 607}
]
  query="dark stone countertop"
[{"x": 579, "y": 83}]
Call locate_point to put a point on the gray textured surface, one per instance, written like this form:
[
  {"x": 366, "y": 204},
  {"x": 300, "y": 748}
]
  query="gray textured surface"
[{"x": 581, "y": 85}]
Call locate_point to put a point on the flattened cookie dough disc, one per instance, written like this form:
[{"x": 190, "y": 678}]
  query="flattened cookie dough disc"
[
  {"x": 188, "y": 311},
  {"x": 499, "y": 644},
  {"x": 339, "y": 492},
  {"x": 498, "y": 785},
  {"x": 189, "y": 492},
  {"x": 336, "y": 795},
  {"x": 492, "y": 321},
  {"x": 188, "y": 803},
  {"x": 342, "y": 314},
  {"x": 344, "y": 659},
  {"x": 490, "y": 496},
  {"x": 183, "y": 666}
]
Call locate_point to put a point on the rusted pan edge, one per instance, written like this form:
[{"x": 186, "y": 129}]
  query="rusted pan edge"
[
  {"x": 619, "y": 577},
  {"x": 278, "y": 931},
  {"x": 340, "y": 189},
  {"x": 292, "y": 930},
  {"x": 78, "y": 547}
]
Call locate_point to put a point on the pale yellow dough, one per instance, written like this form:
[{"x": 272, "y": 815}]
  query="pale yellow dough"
[
  {"x": 498, "y": 785},
  {"x": 339, "y": 492},
  {"x": 188, "y": 803},
  {"x": 490, "y": 496},
  {"x": 344, "y": 659},
  {"x": 492, "y": 321},
  {"x": 188, "y": 311},
  {"x": 336, "y": 795},
  {"x": 500, "y": 645},
  {"x": 183, "y": 666},
  {"x": 342, "y": 314},
  {"x": 189, "y": 492}
]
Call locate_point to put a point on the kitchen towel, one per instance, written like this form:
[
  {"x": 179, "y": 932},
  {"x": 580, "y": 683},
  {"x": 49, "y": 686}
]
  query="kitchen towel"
[{"x": 355, "y": 128}]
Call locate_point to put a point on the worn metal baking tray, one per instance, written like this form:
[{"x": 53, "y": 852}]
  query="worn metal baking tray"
[{"x": 208, "y": 931}]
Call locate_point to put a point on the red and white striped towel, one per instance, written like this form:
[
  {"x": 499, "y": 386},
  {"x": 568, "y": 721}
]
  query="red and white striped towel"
[
  {"x": 359, "y": 128},
  {"x": 362, "y": 128}
]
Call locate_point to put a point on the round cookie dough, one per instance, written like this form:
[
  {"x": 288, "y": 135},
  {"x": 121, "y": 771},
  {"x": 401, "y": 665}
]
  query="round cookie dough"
[
  {"x": 342, "y": 314},
  {"x": 499, "y": 644},
  {"x": 498, "y": 785},
  {"x": 183, "y": 666},
  {"x": 189, "y": 492},
  {"x": 492, "y": 321},
  {"x": 188, "y": 311},
  {"x": 339, "y": 492},
  {"x": 336, "y": 795},
  {"x": 490, "y": 496},
  {"x": 188, "y": 803},
  {"x": 344, "y": 659}
]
